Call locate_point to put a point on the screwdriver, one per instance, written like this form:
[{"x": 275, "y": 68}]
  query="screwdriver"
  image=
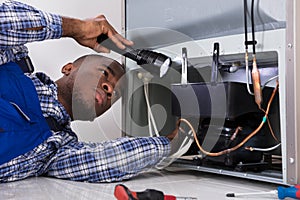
[
  {"x": 123, "y": 193},
  {"x": 281, "y": 192}
]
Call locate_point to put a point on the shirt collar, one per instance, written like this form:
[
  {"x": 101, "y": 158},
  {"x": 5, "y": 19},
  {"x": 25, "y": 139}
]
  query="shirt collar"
[{"x": 47, "y": 92}]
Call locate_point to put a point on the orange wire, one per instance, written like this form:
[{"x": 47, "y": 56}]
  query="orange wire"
[{"x": 226, "y": 151}]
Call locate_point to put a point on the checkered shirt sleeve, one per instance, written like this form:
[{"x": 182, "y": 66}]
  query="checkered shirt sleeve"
[
  {"x": 15, "y": 18},
  {"x": 109, "y": 161},
  {"x": 63, "y": 156}
]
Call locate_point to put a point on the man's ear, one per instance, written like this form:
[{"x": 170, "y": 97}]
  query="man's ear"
[{"x": 66, "y": 70}]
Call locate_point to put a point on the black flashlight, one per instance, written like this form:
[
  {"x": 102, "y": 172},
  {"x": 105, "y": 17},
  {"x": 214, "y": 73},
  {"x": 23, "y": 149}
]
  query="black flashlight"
[{"x": 143, "y": 57}]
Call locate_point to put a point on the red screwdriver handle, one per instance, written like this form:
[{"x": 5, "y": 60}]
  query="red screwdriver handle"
[{"x": 123, "y": 193}]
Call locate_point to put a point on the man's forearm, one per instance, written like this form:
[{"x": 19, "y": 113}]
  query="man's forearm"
[{"x": 28, "y": 24}]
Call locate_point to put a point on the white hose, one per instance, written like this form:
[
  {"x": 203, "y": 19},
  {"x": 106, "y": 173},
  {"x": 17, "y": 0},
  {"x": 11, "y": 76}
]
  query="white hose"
[
  {"x": 184, "y": 147},
  {"x": 150, "y": 114},
  {"x": 247, "y": 73},
  {"x": 264, "y": 149}
]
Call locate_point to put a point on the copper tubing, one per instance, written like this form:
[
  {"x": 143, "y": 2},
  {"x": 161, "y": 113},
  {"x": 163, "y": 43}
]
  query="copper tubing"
[
  {"x": 235, "y": 133},
  {"x": 256, "y": 83},
  {"x": 226, "y": 151}
]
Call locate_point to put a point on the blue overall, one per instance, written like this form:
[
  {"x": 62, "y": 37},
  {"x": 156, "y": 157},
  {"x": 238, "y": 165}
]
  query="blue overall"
[{"x": 22, "y": 125}]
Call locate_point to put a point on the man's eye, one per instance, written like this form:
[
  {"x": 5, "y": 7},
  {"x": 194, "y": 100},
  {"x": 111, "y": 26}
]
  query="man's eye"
[{"x": 105, "y": 73}]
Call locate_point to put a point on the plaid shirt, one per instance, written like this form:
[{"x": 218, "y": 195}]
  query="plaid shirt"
[
  {"x": 62, "y": 155},
  {"x": 15, "y": 17}
]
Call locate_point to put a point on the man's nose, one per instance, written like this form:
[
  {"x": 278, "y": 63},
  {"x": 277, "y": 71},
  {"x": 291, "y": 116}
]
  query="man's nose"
[{"x": 108, "y": 89}]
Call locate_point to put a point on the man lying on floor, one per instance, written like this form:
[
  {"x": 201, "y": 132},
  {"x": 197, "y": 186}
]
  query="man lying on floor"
[{"x": 35, "y": 112}]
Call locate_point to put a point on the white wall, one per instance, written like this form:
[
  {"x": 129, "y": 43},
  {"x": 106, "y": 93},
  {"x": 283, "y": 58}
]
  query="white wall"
[{"x": 49, "y": 56}]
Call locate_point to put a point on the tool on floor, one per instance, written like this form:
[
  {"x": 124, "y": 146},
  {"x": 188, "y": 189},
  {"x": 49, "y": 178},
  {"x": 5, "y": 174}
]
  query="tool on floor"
[
  {"x": 123, "y": 193},
  {"x": 281, "y": 192}
]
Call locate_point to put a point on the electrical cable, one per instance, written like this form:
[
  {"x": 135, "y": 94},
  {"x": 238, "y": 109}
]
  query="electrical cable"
[
  {"x": 153, "y": 123},
  {"x": 184, "y": 147},
  {"x": 268, "y": 81},
  {"x": 226, "y": 151},
  {"x": 252, "y": 26},
  {"x": 246, "y": 48},
  {"x": 245, "y": 24},
  {"x": 146, "y": 93},
  {"x": 248, "y": 73},
  {"x": 263, "y": 149},
  {"x": 151, "y": 120}
]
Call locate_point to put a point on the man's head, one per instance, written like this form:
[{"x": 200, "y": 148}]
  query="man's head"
[{"x": 89, "y": 86}]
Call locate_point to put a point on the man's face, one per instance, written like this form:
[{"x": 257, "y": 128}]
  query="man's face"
[{"x": 96, "y": 87}]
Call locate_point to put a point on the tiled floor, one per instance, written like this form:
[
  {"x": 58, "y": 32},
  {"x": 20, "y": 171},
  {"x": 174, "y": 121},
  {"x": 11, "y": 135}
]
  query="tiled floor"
[{"x": 181, "y": 183}]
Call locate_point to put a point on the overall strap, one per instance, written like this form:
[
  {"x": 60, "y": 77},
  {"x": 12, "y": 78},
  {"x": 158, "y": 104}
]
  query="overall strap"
[
  {"x": 22, "y": 124},
  {"x": 26, "y": 66}
]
